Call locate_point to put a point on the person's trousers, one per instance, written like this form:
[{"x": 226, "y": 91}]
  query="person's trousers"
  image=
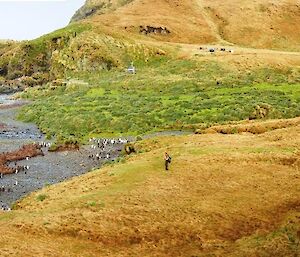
[{"x": 167, "y": 165}]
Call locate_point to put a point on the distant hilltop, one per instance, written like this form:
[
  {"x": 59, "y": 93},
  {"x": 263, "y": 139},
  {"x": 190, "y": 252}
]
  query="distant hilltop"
[{"x": 93, "y": 7}]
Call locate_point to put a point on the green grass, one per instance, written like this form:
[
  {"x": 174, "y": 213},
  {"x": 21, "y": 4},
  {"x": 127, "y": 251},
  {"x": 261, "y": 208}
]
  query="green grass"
[
  {"x": 164, "y": 94},
  {"x": 33, "y": 58},
  {"x": 75, "y": 48},
  {"x": 41, "y": 198}
]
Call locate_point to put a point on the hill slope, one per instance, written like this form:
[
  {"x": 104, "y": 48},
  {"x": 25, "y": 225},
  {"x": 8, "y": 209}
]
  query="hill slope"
[
  {"x": 110, "y": 34},
  {"x": 260, "y": 23},
  {"x": 76, "y": 48},
  {"x": 226, "y": 195},
  {"x": 93, "y": 7}
]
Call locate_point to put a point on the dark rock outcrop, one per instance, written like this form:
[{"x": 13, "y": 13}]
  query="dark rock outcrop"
[
  {"x": 154, "y": 30},
  {"x": 85, "y": 12}
]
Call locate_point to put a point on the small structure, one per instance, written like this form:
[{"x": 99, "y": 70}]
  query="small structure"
[{"x": 131, "y": 69}]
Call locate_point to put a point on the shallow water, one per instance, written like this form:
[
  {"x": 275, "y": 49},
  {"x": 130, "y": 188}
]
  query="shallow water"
[{"x": 6, "y": 99}]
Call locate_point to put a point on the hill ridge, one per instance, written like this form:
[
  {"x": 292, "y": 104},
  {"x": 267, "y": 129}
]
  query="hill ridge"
[{"x": 260, "y": 23}]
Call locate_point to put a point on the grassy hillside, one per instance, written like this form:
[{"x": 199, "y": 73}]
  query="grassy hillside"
[
  {"x": 78, "y": 47},
  {"x": 5, "y": 46},
  {"x": 107, "y": 35},
  {"x": 225, "y": 195},
  {"x": 259, "y": 24},
  {"x": 164, "y": 94}
]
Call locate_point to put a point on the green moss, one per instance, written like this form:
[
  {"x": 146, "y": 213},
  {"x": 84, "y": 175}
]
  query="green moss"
[{"x": 41, "y": 197}]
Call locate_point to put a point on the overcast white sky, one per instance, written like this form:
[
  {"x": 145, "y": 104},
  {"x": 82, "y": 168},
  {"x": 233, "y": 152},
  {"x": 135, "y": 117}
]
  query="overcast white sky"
[{"x": 29, "y": 19}]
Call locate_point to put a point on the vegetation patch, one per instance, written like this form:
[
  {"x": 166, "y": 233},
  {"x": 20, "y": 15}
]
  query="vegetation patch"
[
  {"x": 164, "y": 94},
  {"x": 75, "y": 48},
  {"x": 41, "y": 198}
]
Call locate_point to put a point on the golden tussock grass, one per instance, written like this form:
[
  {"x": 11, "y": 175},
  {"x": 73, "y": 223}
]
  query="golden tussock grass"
[
  {"x": 259, "y": 24},
  {"x": 254, "y": 127},
  {"x": 225, "y": 195}
]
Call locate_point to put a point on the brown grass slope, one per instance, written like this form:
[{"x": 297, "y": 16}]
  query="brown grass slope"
[
  {"x": 261, "y": 23},
  {"x": 226, "y": 195},
  {"x": 254, "y": 127}
]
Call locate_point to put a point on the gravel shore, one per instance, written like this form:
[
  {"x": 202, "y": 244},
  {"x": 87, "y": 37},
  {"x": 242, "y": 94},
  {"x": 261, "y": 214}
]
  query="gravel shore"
[{"x": 51, "y": 168}]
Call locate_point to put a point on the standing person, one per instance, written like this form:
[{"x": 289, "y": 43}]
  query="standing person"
[{"x": 167, "y": 159}]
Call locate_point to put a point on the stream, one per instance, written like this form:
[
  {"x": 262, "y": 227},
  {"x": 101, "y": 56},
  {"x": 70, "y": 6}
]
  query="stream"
[{"x": 49, "y": 169}]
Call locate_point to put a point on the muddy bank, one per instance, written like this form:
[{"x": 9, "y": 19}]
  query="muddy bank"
[{"x": 25, "y": 152}]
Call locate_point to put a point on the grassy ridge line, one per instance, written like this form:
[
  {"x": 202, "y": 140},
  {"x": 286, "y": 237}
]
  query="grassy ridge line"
[
  {"x": 33, "y": 58},
  {"x": 260, "y": 24},
  {"x": 231, "y": 195},
  {"x": 164, "y": 94},
  {"x": 76, "y": 48}
]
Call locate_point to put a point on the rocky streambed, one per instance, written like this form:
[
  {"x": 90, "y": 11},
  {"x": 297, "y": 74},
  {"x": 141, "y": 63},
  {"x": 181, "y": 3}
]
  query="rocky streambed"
[{"x": 49, "y": 169}]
